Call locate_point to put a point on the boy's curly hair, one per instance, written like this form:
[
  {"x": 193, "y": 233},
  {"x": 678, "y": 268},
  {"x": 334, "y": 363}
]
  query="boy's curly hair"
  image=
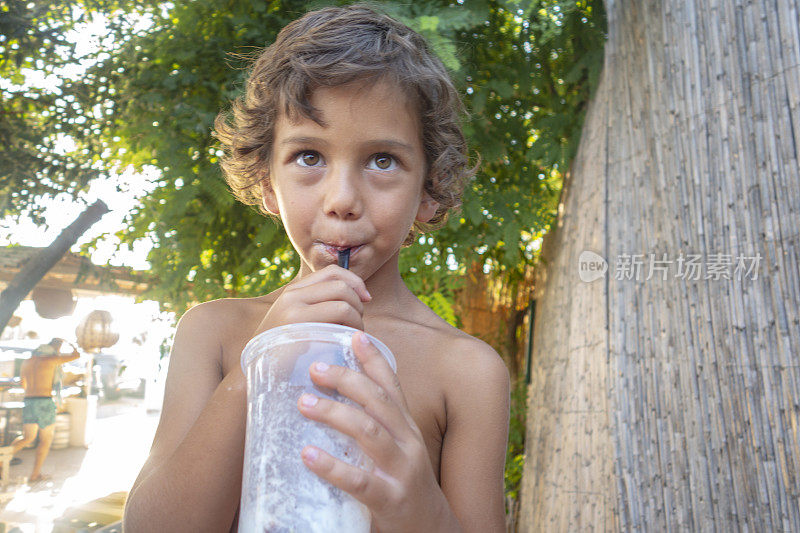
[{"x": 332, "y": 47}]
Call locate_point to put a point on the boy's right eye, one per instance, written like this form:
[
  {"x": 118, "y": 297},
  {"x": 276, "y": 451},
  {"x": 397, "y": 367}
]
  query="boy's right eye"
[{"x": 308, "y": 159}]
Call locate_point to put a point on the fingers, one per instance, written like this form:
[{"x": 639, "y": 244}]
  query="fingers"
[
  {"x": 375, "y": 399},
  {"x": 335, "y": 312},
  {"x": 335, "y": 272},
  {"x": 370, "y": 435},
  {"x": 377, "y": 367},
  {"x": 332, "y": 295},
  {"x": 373, "y": 489},
  {"x": 336, "y": 290}
]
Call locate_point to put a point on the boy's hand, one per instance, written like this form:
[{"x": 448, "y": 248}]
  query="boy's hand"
[
  {"x": 401, "y": 491},
  {"x": 332, "y": 295}
]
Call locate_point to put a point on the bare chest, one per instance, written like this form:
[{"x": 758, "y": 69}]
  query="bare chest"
[{"x": 422, "y": 389}]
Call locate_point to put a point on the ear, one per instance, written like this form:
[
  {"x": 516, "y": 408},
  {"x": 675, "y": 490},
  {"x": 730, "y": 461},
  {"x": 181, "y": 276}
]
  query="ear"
[
  {"x": 268, "y": 199},
  {"x": 427, "y": 208}
]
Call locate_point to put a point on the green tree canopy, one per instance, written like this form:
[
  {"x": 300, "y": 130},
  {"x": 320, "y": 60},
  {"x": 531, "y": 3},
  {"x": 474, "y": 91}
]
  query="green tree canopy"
[
  {"x": 37, "y": 61},
  {"x": 526, "y": 68}
]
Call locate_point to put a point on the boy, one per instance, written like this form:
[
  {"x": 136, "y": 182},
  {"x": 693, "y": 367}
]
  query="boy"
[{"x": 349, "y": 134}]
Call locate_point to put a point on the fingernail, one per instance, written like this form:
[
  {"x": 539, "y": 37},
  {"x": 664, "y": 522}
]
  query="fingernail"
[
  {"x": 362, "y": 338},
  {"x": 321, "y": 367},
  {"x": 310, "y": 454},
  {"x": 309, "y": 400}
]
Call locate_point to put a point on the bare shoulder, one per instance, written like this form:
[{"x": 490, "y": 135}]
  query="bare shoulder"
[
  {"x": 459, "y": 354},
  {"x": 225, "y": 325},
  {"x": 473, "y": 367},
  {"x": 225, "y": 311},
  {"x": 222, "y": 312},
  {"x": 469, "y": 369},
  {"x": 463, "y": 364}
]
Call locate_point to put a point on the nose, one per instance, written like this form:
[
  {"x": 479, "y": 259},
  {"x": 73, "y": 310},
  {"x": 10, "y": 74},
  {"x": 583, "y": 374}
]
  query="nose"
[{"x": 342, "y": 192}]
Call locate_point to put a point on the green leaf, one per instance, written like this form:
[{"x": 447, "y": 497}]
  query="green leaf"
[
  {"x": 441, "y": 306},
  {"x": 427, "y": 23}
]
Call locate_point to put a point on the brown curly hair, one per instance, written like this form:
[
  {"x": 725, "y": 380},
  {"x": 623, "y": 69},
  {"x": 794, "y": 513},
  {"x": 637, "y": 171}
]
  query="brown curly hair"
[{"x": 331, "y": 47}]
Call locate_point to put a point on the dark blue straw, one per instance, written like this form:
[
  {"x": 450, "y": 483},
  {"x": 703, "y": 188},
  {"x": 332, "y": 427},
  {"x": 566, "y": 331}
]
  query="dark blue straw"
[{"x": 344, "y": 258}]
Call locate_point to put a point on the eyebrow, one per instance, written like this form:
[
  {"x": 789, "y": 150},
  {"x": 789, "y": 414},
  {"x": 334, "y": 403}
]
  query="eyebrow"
[
  {"x": 303, "y": 140},
  {"x": 377, "y": 142}
]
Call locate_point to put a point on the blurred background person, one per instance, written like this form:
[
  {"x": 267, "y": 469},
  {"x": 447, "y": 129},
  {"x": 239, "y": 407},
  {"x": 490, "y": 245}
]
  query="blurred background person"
[{"x": 39, "y": 412}]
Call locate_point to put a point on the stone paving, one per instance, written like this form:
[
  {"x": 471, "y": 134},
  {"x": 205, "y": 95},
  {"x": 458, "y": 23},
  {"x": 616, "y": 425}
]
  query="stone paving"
[{"x": 122, "y": 437}]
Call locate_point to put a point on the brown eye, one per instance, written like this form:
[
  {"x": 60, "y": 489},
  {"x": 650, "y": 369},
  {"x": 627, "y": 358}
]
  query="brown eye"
[
  {"x": 383, "y": 161},
  {"x": 309, "y": 159}
]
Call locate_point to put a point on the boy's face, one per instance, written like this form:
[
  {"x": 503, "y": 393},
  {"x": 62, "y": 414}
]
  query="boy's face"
[{"x": 355, "y": 183}]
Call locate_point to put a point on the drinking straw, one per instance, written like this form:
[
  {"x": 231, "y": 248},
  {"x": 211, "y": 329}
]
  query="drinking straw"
[{"x": 344, "y": 258}]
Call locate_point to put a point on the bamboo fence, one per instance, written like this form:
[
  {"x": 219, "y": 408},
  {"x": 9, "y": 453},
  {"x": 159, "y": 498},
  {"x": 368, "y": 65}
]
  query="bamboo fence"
[{"x": 673, "y": 404}]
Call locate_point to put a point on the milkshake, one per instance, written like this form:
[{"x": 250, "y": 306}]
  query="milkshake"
[{"x": 279, "y": 493}]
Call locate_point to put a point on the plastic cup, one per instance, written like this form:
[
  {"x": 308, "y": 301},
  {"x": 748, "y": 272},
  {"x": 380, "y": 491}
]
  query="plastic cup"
[{"x": 279, "y": 493}]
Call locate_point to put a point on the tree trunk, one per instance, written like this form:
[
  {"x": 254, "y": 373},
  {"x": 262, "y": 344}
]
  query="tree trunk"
[
  {"x": 674, "y": 404},
  {"x": 37, "y": 267}
]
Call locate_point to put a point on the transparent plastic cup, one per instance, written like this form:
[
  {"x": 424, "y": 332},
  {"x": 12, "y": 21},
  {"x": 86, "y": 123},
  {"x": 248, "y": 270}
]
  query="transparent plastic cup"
[{"x": 279, "y": 493}]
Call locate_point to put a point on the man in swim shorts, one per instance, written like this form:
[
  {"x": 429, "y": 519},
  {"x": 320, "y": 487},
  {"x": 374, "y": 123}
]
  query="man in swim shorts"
[{"x": 39, "y": 412}]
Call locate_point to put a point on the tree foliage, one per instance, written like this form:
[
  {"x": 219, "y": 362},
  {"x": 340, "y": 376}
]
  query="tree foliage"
[
  {"x": 526, "y": 68},
  {"x": 528, "y": 73},
  {"x": 36, "y": 54}
]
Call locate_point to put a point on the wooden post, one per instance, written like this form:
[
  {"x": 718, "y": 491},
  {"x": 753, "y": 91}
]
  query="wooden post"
[
  {"x": 529, "y": 346},
  {"x": 44, "y": 260}
]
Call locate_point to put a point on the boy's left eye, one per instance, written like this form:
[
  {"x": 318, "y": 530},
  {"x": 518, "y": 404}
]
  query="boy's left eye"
[{"x": 382, "y": 162}]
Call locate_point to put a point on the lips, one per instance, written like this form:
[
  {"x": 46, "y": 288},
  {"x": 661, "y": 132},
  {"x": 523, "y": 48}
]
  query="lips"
[{"x": 333, "y": 249}]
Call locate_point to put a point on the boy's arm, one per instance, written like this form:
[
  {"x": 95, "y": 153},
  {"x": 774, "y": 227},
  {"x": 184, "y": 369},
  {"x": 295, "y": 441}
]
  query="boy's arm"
[
  {"x": 476, "y": 439},
  {"x": 191, "y": 480}
]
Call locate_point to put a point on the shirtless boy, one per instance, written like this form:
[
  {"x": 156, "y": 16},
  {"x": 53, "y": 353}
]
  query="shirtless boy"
[
  {"x": 349, "y": 133},
  {"x": 39, "y": 412}
]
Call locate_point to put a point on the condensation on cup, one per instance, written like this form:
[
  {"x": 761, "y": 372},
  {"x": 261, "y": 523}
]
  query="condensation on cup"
[{"x": 279, "y": 493}]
